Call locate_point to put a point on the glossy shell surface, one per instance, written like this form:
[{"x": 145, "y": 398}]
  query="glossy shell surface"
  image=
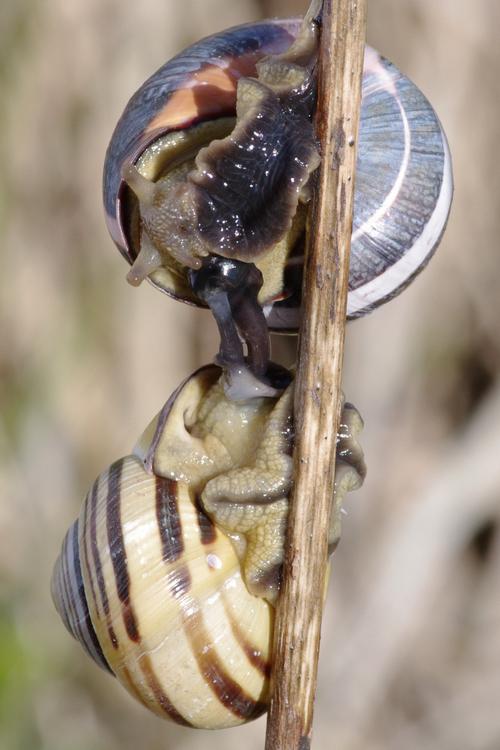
[
  {"x": 404, "y": 180},
  {"x": 161, "y": 603}
]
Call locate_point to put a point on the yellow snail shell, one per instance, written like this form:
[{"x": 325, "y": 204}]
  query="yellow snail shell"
[{"x": 168, "y": 576}]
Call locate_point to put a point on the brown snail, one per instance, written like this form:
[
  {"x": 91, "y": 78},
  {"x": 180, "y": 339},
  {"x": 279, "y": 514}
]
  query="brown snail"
[
  {"x": 169, "y": 575},
  {"x": 208, "y": 170}
]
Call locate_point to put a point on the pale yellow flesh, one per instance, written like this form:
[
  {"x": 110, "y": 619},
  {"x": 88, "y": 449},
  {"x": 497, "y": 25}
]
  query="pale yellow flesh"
[{"x": 237, "y": 457}]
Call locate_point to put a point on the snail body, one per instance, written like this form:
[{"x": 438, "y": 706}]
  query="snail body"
[
  {"x": 169, "y": 575},
  {"x": 403, "y": 182}
]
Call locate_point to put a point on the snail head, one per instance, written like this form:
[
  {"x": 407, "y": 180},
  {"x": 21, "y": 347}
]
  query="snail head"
[{"x": 168, "y": 223}]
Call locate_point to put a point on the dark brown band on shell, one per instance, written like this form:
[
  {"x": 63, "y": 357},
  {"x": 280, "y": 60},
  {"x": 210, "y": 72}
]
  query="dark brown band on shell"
[
  {"x": 161, "y": 698},
  {"x": 86, "y": 624},
  {"x": 85, "y": 549},
  {"x": 208, "y": 531},
  {"x": 169, "y": 519},
  {"x": 69, "y": 597},
  {"x": 180, "y": 581},
  {"x": 117, "y": 550},
  {"x": 253, "y": 655},
  {"x": 228, "y": 691},
  {"x": 101, "y": 584}
]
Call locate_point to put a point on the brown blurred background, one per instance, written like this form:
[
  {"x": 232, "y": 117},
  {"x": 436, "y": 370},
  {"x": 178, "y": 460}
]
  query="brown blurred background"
[{"x": 411, "y": 642}]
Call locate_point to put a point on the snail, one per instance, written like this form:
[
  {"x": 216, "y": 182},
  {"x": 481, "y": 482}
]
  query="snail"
[
  {"x": 169, "y": 575},
  {"x": 208, "y": 171}
]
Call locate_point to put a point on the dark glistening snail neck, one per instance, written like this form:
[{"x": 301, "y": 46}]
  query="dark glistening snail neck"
[{"x": 230, "y": 288}]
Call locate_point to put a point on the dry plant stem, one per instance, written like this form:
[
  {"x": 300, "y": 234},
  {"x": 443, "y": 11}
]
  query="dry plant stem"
[{"x": 318, "y": 381}]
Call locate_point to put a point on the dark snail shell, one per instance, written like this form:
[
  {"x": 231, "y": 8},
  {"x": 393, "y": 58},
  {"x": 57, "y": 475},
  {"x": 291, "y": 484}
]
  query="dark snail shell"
[
  {"x": 403, "y": 183},
  {"x": 168, "y": 577}
]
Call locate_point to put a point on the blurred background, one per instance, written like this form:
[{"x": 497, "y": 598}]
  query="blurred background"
[{"x": 411, "y": 641}]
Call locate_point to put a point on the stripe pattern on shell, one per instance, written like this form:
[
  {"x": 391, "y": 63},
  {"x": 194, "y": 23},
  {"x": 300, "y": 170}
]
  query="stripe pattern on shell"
[{"x": 165, "y": 601}]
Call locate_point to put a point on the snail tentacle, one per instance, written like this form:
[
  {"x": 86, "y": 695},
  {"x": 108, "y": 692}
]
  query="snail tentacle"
[{"x": 148, "y": 261}]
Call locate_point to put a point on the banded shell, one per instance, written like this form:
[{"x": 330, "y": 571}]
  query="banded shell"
[
  {"x": 155, "y": 589},
  {"x": 164, "y": 597},
  {"x": 404, "y": 179}
]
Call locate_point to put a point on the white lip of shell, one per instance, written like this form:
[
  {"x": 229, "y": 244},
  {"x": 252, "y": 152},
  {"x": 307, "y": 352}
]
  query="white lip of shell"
[
  {"x": 382, "y": 286},
  {"x": 387, "y": 83}
]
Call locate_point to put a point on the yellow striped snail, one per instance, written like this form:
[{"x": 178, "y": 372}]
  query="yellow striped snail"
[{"x": 169, "y": 574}]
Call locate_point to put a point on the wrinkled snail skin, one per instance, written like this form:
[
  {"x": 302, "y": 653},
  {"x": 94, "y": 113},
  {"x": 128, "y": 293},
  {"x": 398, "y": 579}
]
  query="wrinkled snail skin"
[
  {"x": 169, "y": 575},
  {"x": 403, "y": 183}
]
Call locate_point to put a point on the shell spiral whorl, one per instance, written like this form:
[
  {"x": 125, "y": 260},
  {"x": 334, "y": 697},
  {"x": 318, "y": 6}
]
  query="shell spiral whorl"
[
  {"x": 155, "y": 565},
  {"x": 168, "y": 575}
]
